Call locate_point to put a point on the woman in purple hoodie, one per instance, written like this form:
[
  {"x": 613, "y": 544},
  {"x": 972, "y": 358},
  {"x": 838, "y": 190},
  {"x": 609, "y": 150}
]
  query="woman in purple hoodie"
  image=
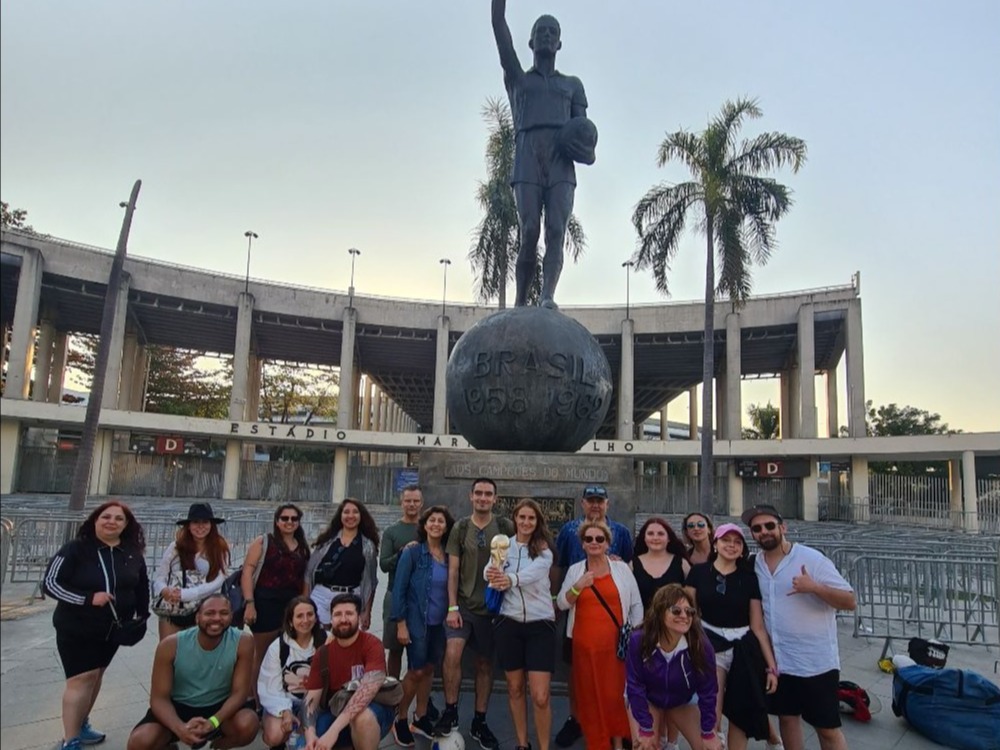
[{"x": 669, "y": 661}]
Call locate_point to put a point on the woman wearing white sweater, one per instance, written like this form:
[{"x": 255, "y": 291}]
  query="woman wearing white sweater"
[
  {"x": 525, "y": 631},
  {"x": 285, "y": 669}
]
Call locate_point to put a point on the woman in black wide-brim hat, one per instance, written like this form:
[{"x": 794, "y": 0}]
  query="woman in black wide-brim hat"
[{"x": 193, "y": 566}]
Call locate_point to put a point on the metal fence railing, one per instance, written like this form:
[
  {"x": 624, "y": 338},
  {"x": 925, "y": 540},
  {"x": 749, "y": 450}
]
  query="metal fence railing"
[
  {"x": 165, "y": 475},
  {"x": 667, "y": 494},
  {"x": 6, "y": 541},
  {"x": 865, "y": 510},
  {"x": 281, "y": 481}
]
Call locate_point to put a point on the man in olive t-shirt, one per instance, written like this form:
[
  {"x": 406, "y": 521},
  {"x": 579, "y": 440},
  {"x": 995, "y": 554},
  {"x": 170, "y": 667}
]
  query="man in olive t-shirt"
[{"x": 468, "y": 552}]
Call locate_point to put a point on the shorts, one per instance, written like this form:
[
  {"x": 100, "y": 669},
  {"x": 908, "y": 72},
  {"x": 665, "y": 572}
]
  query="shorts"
[
  {"x": 383, "y": 714},
  {"x": 428, "y": 649},
  {"x": 389, "y": 635},
  {"x": 530, "y": 646},
  {"x": 270, "y": 605},
  {"x": 538, "y": 161},
  {"x": 724, "y": 659},
  {"x": 80, "y": 654},
  {"x": 475, "y": 628},
  {"x": 813, "y": 698},
  {"x": 185, "y": 713}
]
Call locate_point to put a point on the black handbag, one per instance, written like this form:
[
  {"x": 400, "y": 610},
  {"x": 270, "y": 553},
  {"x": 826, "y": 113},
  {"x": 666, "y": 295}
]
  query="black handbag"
[{"x": 126, "y": 632}]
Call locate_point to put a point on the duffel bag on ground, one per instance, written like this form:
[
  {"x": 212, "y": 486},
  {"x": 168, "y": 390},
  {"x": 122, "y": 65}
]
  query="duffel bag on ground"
[{"x": 953, "y": 707}]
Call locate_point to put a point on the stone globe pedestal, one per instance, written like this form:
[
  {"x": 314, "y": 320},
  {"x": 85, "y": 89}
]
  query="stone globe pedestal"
[{"x": 528, "y": 379}]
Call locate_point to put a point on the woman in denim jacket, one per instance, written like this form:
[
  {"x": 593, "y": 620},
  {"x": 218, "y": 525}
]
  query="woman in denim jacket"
[{"x": 419, "y": 607}]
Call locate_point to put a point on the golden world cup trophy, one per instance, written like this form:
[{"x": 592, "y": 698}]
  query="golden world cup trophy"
[{"x": 499, "y": 548}]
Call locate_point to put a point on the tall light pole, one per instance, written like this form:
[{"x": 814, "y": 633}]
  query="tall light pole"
[
  {"x": 350, "y": 290},
  {"x": 444, "y": 294},
  {"x": 251, "y": 236},
  {"x": 628, "y": 266}
]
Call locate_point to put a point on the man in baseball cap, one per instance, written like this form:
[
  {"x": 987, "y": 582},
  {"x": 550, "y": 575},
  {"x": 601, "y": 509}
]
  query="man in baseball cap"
[{"x": 801, "y": 591}]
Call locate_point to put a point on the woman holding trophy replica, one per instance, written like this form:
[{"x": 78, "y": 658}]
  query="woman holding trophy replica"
[{"x": 525, "y": 625}]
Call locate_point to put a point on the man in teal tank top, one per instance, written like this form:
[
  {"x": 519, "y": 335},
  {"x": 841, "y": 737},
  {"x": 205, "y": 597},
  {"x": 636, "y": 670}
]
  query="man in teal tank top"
[{"x": 201, "y": 685}]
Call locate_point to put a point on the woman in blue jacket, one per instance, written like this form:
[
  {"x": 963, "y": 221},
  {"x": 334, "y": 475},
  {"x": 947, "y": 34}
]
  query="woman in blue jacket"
[
  {"x": 669, "y": 661},
  {"x": 419, "y": 607}
]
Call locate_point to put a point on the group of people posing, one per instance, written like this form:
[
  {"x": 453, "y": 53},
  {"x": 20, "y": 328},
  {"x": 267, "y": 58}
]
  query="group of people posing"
[{"x": 662, "y": 637}]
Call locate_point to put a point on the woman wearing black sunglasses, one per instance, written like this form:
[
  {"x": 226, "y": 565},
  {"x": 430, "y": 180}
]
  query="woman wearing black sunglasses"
[
  {"x": 728, "y": 594},
  {"x": 274, "y": 572},
  {"x": 601, "y": 595},
  {"x": 698, "y": 530}
]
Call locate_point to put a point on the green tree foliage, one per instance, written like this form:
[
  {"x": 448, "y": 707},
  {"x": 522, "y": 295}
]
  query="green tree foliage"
[
  {"x": 290, "y": 393},
  {"x": 734, "y": 206},
  {"x": 765, "y": 422},
  {"x": 892, "y": 420},
  {"x": 14, "y": 218},
  {"x": 496, "y": 237},
  {"x": 177, "y": 382}
]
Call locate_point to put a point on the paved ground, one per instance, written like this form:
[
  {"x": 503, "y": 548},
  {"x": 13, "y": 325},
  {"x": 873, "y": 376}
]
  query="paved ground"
[{"x": 31, "y": 684}]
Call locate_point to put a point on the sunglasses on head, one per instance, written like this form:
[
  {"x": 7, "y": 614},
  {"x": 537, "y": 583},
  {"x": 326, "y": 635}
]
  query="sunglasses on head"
[
  {"x": 588, "y": 539},
  {"x": 481, "y": 538},
  {"x": 677, "y": 611},
  {"x": 288, "y": 519},
  {"x": 769, "y": 525},
  {"x": 696, "y": 524}
]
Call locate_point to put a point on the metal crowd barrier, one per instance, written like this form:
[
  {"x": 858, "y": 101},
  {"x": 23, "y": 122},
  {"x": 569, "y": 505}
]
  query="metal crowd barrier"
[
  {"x": 953, "y": 600},
  {"x": 6, "y": 541}
]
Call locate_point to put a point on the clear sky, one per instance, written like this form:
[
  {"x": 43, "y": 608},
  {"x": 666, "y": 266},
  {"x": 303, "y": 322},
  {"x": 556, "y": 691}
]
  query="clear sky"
[{"x": 329, "y": 124}]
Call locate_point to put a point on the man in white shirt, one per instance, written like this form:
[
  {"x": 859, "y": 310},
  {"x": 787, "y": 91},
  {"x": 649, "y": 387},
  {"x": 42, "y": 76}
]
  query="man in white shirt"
[{"x": 801, "y": 592}]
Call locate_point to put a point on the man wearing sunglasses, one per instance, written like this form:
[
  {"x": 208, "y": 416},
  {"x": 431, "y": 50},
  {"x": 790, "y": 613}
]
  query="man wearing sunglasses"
[
  {"x": 594, "y": 501},
  {"x": 801, "y": 591}
]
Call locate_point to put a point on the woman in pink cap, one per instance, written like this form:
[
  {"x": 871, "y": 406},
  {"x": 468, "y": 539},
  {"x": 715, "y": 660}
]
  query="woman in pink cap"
[{"x": 728, "y": 596}]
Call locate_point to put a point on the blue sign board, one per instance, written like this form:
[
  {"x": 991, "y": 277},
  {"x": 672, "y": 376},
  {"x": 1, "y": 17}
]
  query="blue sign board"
[{"x": 403, "y": 477}]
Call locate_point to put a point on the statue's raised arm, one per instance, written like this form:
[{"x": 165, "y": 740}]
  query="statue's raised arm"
[{"x": 505, "y": 43}]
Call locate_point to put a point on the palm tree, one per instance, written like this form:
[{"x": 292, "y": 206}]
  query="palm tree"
[
  {"x": 765, "y": 422},
  {"x": 496, "y": 237},
  {"x": 734, "y": 206}
]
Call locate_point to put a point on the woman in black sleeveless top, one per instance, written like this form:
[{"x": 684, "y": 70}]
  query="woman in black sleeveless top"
[{"x": 659, "y": 558}]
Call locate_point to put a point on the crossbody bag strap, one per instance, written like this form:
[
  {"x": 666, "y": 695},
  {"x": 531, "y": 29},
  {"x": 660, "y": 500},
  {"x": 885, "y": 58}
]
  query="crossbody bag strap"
[
  {"x": 260, "y": 563},
  {"x": 107, "y": 584},
  {"x": 603, "y": 603}
]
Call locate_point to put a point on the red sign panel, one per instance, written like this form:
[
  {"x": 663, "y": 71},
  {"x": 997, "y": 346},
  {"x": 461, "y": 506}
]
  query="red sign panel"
[{"x": 169, "y": 444}]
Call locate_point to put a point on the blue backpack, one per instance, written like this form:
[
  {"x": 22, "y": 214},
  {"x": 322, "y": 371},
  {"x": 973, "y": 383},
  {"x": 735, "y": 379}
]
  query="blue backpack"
[{"x": 953, "y": 707}]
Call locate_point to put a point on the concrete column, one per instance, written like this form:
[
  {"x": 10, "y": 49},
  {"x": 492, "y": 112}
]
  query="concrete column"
[
  {"x": 130, "y": 350},
  {"x": 345, "y": 404},
  {"x": 956, "y": 503},
  {"x": 384, "y": 416},
  {"x": 810, "y": 493},
  {"x": 720, "y": 407},
  {"x": 356, "y": 405},
  {"x": 22, "y": 336},
  {"x": 241, "y": 357},
  {"x": 794, "y": 402},
  {"x": 626, "y": 383},
  {"x": 238, "y": 399},
  {"x": 855, "y": 371},
  {"x": 339, "y": 484},
  {"x": 376, "y": 408},
  {"x": 859, "y": 488},
  {"x": 440, "y": 370},
  {"x": 366, "y": 405},
  {"x": 832, "y": 407},
  {"x": 10, "y": 443},
  {"x": 807, "y": 372},
  {"x": 112, "y": 381},
  {"x": 57, "y": 373},
  {"x": 735, "y": 490},
  {"x": 969, "y": 494},
  {"x": 231, "y": 470},
  {"x": 664, "y": 433},
  {"x": 785, "y": 407},
  {"x": 693, "y": 422},
  {"x": 137, "y": 401},
  {"x": 734, "y": 375},
  {"x": 100, "y": 469},
  {"x": 255, "y": 366},
  {"x": 43, "y": 361}
]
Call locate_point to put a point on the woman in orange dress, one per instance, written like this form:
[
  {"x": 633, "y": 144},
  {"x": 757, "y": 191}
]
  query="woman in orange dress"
[{"x": 598, "y": 671}]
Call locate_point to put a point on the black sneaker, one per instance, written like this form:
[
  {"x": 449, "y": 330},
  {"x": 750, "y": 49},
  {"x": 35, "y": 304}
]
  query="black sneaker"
[
  {"x": 432, "y": 713},
  {"x": 424, "y": 726},
  {"x": 447, "y": 723},
  {"x": 569, "y": 733},
  {"x": 401, "y": 732},
  {"x": 482, "y": 734}
]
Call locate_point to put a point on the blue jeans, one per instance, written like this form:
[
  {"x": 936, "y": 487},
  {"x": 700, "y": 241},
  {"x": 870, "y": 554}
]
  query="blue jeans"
[{"x": 383, "y": 714}]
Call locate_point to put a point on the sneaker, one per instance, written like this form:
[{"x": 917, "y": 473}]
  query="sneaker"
[
  {"x": 447, "y": 723},
  {"x": 569, "y": 733},
  {"x": 73, "y": 744},
  {"x": 424, "y": 726},
  {"x": 90, "y": 736},
  {"x": 482, "y": 734},
  {"x": 401, "y": 732},
  {"x": 432, "y": 713}
]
